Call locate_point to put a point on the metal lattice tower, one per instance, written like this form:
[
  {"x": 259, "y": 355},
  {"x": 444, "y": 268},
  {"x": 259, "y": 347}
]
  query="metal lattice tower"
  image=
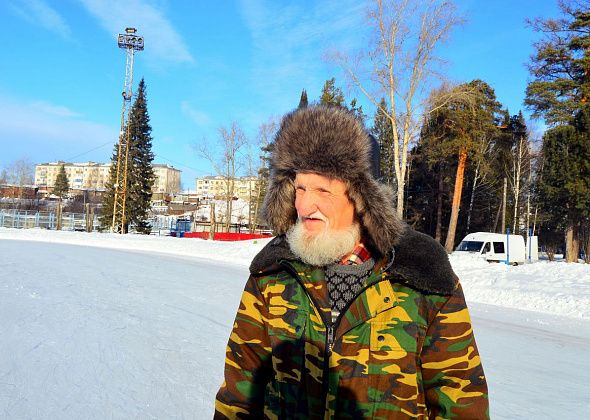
[{"x": 131, "y": 43}]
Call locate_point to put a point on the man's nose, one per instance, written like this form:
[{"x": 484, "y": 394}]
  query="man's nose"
[{"x": 306, "y": 203}]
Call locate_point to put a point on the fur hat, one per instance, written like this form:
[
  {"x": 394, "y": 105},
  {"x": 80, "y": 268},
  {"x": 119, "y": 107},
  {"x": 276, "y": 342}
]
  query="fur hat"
[{"x": 329, "y": 141}]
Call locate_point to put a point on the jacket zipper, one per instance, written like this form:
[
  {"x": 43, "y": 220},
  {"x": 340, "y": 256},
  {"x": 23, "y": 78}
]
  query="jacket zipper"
[
  {"x": 330, "y": 327},
  {"x": 329, "y": 341}
]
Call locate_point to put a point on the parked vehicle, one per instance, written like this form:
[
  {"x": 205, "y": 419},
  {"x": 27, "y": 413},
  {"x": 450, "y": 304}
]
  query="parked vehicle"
[{"x": 497, "y": 247}]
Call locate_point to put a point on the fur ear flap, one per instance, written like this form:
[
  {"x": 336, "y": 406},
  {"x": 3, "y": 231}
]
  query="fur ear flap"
[
  {"x": 279, "y": 204},
  {"x": 374, "y": 205}
]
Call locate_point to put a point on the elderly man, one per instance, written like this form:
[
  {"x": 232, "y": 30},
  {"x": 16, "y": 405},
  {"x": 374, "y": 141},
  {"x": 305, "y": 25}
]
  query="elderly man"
[{"x": 348, "y": 313}]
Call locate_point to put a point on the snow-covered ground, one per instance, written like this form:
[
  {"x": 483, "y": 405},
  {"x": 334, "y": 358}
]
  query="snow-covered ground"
[{"x": 110, "y": 326}]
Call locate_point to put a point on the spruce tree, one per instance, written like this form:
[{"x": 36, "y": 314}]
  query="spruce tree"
[
  {"x": 61, "y": 187},
  {"x": 563, "y": 187},
  {"x": 140, "y": 174},
  {"x": 303, "y": 100}
]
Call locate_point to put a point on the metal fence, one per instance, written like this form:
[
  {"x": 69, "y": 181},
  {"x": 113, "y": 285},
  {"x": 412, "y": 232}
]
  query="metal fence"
[{"x": 24, "y": 219}]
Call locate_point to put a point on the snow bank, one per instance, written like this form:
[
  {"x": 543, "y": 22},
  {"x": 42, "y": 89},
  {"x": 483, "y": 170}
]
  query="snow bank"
[
  {"x": 554, "y": 288},
  {"x": 240, "y": 252}
]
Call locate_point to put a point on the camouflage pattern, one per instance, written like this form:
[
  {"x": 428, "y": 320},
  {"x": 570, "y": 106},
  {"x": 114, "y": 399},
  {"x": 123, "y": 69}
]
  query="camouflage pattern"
[{"x": 396, "y": 352}]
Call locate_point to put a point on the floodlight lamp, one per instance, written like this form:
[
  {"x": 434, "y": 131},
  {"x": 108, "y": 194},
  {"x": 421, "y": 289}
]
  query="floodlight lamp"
[
  {"x": 130, "y": 30},
  {"x": 130, "y": 41}
]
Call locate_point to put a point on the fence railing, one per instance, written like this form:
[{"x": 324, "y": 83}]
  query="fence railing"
[{"x": 25, "y": 219}]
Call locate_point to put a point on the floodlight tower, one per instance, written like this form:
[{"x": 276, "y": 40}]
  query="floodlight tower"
[{"x": 131, "y": 43}]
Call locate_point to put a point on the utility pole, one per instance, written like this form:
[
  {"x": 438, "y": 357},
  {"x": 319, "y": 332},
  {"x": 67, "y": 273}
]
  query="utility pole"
[
  {"x": 131, "y": 43},
  {"x": 504, "y": 206}
]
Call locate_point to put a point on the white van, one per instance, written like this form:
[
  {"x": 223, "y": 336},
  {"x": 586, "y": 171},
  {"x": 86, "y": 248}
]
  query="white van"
[{"x": 495, "y": 247}]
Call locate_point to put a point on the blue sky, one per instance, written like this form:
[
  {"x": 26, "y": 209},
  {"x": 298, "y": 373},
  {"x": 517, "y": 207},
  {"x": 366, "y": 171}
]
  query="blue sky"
[{"x": 207, "y": 64}]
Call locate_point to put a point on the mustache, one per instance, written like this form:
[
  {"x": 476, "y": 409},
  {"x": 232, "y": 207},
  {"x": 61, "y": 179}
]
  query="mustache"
[{"x": 315, "y": 215}]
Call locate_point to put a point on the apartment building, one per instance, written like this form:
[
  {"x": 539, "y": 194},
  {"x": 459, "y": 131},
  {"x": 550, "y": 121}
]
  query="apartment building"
[
  {"x": 89, "y": 175},
  {"x": 94, "y": 176},
  {"x": 217, "y": 187},
  {"x": 167, "y": 179}
]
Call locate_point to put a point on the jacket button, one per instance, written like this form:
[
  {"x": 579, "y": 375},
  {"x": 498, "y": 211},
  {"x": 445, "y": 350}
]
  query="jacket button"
[
  {"x": 381, "y": 338},
  {"x": 386, "y": 300}
]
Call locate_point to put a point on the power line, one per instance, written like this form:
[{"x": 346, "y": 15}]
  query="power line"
[
  {"x": 88, "y": 151},
  {"x": 181, "y": 164}
]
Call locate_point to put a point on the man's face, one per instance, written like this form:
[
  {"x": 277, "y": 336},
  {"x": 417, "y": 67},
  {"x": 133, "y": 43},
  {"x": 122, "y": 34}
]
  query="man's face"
[{"x": 322, "y": 203}]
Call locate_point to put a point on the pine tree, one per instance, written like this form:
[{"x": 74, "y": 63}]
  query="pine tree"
[
  {"x": 61, "y": 187},
  {"x": 560, "y": 65},
  {"x": 303, "y": 100},
  {"x": 460, "y": 127},
  {"x": 140, "y": 174},
  {"x": 332, "y": 95},
  {"x": 561, "y": 89}
]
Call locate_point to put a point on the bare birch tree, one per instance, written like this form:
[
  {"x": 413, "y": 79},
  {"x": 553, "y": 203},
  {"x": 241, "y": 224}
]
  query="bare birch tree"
[
  {"x": 20, "y": 172},
  {"x": 519, "y": 174},
  {"x": 400, "y": 66},
  {"x": 226, "y": 161}
]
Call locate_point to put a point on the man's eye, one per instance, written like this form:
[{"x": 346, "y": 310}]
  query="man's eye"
[{"x": 299, "y": 188}]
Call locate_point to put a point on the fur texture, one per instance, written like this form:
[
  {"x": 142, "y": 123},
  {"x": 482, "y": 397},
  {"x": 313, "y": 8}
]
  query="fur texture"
[
  {"x": 329, "y": 141},
  {"x": 418, "y": 261}
]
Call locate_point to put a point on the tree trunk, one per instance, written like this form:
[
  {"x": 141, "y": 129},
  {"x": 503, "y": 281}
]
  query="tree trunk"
[
  {"x": 497, "y": 219},
  {"x": 88, "y": 217},
  {"x": 229, "y": 215},
  {"x": 400, "y": 198},
  {"x": 257, "y": 205},
  {"x": 516, "y": 182},
  {"x": 450, "y": 242},
  {"x": 59, "y": 210},
  {"x": 475, "y": 177},
  {"x": 250, "y": 205},
  {"x": 439, "y": 200},
  {"x": 586, "y": 243},
  {"x": 212, "y": 219},
  {"x": 571, "y": 244}
]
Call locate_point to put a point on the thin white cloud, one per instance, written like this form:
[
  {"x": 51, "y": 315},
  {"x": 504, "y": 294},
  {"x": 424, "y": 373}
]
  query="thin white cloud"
[
  {"x": 162, "y": 41},
  {"x": 48, "y": 132},
  {"x": 290, "y": 41},
  {"x": 39, "y": 13},
  {"x": 51, "y": 109},
  {"x": 198, "y": 117}
]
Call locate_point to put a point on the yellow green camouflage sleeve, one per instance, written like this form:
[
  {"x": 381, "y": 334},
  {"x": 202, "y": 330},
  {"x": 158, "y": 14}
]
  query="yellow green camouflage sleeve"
[
  {"x": 247, "y": 360},
  {"x": 452, "y": 373}
]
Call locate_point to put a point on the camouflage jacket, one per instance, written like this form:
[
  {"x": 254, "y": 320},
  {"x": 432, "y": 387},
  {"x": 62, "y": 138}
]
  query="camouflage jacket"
[{"x": 404, "y": 347}]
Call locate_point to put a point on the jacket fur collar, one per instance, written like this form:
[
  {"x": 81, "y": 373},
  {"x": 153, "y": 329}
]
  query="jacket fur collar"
[{"x": 418, "y": 261}]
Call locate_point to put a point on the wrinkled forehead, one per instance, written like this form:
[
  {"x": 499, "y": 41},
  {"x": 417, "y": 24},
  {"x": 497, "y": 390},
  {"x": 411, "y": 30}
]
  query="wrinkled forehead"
[{"x": 317, "y": 180}]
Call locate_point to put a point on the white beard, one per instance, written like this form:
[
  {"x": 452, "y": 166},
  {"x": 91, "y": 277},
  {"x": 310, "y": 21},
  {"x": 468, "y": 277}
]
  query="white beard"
[{"x": 323, "y": 248}]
